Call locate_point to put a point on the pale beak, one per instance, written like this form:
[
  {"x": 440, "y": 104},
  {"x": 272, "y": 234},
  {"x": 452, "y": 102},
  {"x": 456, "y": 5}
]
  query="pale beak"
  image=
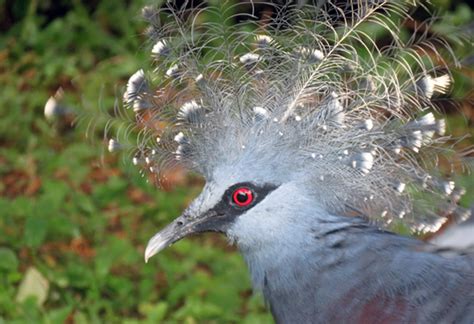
[
  {"x": 165, "y": 238},
  {"x": 182, "y": 227}
]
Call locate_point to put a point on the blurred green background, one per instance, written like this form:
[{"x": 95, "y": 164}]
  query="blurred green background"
[{"x": 73, "y": 219}]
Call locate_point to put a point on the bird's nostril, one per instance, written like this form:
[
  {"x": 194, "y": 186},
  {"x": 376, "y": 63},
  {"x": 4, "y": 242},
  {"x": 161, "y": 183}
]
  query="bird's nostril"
[{"x": 180, "y": 223}]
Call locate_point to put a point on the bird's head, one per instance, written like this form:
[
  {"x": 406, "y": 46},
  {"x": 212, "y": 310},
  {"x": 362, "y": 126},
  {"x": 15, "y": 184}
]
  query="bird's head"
[
  {"x": 251, "y": 210},
  {"x": 284, "y": 121}
]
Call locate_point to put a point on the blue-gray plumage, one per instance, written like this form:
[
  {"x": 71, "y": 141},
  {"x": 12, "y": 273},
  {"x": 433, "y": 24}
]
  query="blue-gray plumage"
[
  {"x": 358, "y": 274},
  {"x": 314, "y": 267},
  {"x": 313, "y": 141}
]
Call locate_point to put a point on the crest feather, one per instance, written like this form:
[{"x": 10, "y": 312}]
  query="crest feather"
[{"x": 318, "y": 98}]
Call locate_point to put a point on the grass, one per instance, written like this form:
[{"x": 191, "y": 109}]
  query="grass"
[{"x": 79, "y": 216}]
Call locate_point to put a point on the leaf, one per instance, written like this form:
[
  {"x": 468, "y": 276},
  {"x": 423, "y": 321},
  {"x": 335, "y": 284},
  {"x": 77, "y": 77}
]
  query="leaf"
[
  {"x": 35, "y": 231},
  {"x": 34, "y": 284},
  {"x": 59, "y": 315},
  {"x": 9, "y": 261},
  {"x": 154, "y": 312}
]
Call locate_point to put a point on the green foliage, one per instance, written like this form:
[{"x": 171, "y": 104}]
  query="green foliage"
[
  {"x": 73, "y": 216},
  {"x": 66, "y": 207}
]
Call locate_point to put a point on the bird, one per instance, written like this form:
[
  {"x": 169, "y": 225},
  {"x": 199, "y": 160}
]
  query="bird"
[{"x": 315, "y": 143}]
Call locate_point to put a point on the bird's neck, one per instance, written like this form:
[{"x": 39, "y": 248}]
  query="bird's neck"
[
  {"x": 344, "y": 270},
  {"x": 320, "y": 268},
  {"x": 316, "y": 246}
]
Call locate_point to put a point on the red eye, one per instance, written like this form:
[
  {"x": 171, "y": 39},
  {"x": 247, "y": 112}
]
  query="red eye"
[{"x": 242, "y": 197}]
